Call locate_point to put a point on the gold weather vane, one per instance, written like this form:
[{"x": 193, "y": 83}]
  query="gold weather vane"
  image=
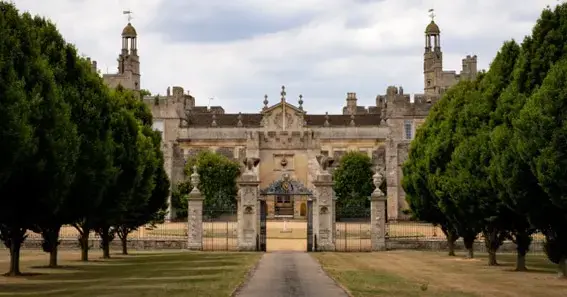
[
  {"x": 432, "y": 14},
  {"x": 129, "y": 13}
]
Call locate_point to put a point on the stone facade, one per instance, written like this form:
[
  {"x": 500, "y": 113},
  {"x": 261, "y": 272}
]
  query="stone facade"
[{"x": 286, "y": 137}]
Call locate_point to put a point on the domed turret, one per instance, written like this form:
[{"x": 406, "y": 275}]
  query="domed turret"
[
  {"x": 432, "y": 29},
  {"x": 129, "y": 31}
]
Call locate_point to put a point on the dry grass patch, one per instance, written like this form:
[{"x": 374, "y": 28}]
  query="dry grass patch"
[
  {"x": 414, "y": 273},
  {"x": 157, "y": 274}
]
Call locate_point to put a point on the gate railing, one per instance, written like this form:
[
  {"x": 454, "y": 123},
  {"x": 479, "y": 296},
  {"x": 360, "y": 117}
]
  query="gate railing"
[
  {"x": 220, "y": 229},
  {"x": 352, "y": 229}
]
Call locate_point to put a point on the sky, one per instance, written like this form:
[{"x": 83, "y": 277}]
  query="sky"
[{"x": 235, "y": 51}]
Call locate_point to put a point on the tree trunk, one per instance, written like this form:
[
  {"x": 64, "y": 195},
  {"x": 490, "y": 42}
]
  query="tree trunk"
[
  {"x": 469, "y": 245},
  {"x": 451, "y": 239},
  {"x": 16, "y": 238},
  {"x": 53, "y": 257},
  {"x": 492, "y": 258},
  {"x": 105, "y": 237},
  {"x": 84, "y": 242},
  {"x": 124, "y": 241},
  {"x": 562, "y": 267},
  {"x": 50, "y": 236},
  {"x": 521, "y": 262},
  {"x": 522, "y": 241},
  {"x": 451, "y": 245},
  {"x": 123, "y": 235}
]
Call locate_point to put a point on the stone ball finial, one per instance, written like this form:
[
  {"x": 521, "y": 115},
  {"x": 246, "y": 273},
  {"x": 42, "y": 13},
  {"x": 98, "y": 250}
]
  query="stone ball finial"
[
  {"x": 283, "y": 93},
  {"x": 266, "y": 101},
  {"x": 239, "y": 124}
]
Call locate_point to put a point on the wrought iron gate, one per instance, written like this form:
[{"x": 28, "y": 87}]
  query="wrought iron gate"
[
  {"x": 310, "y": 225},
  {"x": 261, "y": 241}
]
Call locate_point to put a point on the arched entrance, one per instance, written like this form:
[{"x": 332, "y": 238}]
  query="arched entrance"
[{"x": 286, "y": 203}]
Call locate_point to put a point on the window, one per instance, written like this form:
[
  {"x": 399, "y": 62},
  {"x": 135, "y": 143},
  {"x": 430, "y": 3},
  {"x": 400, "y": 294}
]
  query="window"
[
  {"x": 408, "y": 125},
  {"x": 159, "y": 126}
]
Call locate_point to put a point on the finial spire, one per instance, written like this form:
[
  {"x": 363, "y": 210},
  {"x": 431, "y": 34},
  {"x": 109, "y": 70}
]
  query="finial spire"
[
  {"x": 432, "y": 14},
  {"x": 265, "y": 101},
  {"x": 129, "y": 13},
  {"x": 283, "y": 93},
  {"x": 300, "y": 101}
]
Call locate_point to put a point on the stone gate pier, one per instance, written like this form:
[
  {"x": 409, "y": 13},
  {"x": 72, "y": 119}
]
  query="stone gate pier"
[
  {"x": 195, "y": 214},
  {"x": 324, "y": 206},
  {"x": 378, "y": 213},
  {"x": 248, "y": 207}
]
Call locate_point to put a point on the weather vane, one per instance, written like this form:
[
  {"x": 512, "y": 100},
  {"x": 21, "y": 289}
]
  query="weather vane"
[
  {"x": 129, "y": 13},
  {"x": 432, "y": 14}
]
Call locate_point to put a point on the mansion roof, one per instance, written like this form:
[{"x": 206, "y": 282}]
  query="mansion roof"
[{"x": 252, "y": 120}]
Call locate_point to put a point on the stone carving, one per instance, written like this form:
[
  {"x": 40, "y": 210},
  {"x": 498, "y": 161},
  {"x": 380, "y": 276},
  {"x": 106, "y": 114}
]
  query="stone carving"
[
  {"x": 325, "y": 162},
  {"x": 324, "y": 210},
  {"x": 195, "y": 180},
  {"x": 378, "y": 179},
  {"x": 248, "y": 210},
  {"x": 251, "y": 163},
  {"x": 379, "y": 156}
]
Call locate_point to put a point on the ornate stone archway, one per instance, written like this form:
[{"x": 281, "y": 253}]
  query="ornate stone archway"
[{"x": 285, "y": 196}]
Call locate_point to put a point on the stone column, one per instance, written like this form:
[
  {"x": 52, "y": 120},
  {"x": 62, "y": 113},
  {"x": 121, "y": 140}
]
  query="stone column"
[
  {"x": 195, "y": 214},
  {"x": 323, "y": 212},
  {"x": 248, "y": 207},
  {"x": 378, "y": 214}
]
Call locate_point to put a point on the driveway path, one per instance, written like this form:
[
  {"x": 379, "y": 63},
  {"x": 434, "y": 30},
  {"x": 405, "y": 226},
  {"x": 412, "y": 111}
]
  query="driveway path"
[{"x": 290, "y": 274}]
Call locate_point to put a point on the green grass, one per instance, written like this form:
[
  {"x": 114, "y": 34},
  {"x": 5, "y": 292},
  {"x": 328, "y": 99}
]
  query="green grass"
[
  {"x": 144, "y": 274},
  {"x": 415, "y": 273}
]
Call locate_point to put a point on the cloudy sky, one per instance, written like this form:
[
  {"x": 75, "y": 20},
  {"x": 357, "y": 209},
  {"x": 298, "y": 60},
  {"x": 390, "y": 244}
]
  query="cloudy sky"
[{"x": 238, "y": 50}]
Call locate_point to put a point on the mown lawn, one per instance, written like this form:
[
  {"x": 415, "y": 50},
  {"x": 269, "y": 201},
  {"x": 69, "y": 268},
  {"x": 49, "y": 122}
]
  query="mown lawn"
[
  {"x": 415, "y": 273},
  {"x": 156, "y": 274}
]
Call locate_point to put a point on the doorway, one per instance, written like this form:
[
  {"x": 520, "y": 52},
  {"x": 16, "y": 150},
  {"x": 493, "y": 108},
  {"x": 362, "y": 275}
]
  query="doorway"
[{"x": 284, "y": 205}]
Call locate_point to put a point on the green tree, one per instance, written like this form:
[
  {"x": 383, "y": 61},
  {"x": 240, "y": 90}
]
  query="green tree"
[
  {"x": 510, "y": 168},
  {"x": 148, "y": 202},
  {"x": 132, "y": 152},
  {"x": 447, "y": 181},
  {"x": 542, "y": 134},
  {"x": 218, "y": 176},
  {"x": 426, "y": 156},
  {"x": 75, "y": 79},
  {"x": 49, "y": 167},
  {"x": 353, "y": 184}
]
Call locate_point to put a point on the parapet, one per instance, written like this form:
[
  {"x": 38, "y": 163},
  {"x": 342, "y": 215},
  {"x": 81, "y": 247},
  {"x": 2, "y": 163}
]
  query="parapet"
[{"x": 399, "y": 104}]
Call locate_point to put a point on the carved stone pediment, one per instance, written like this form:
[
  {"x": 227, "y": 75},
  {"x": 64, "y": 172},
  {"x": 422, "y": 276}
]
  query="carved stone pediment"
[{"x": 283, "y": 116}]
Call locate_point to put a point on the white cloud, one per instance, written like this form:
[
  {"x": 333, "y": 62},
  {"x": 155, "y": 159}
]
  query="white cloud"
[{"x": 346, "y": 45}]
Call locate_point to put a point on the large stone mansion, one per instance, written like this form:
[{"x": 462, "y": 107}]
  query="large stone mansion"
[{"x": 285, "y": 137}]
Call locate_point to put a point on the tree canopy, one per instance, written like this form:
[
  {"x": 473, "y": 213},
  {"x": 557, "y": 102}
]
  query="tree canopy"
[
  {"x": 490, "y": 157},
  {"x": 74, "y": 152},
  {"x": 218, "y": 175}
]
